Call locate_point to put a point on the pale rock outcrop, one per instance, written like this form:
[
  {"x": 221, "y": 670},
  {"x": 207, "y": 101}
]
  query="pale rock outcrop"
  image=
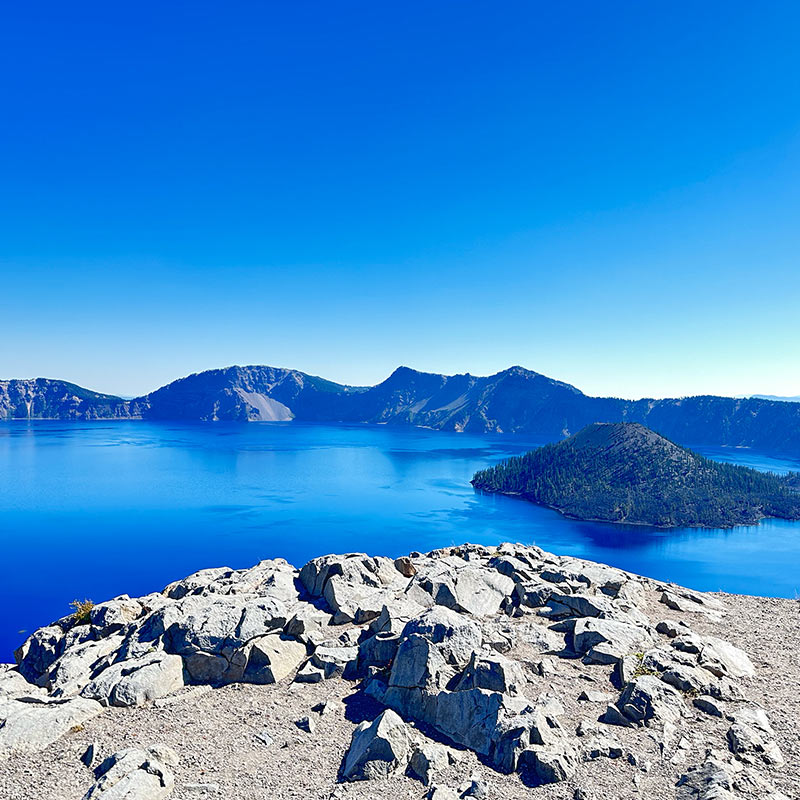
[
  {"x": 28, "y": 725},
  {"x": 136, "y": 681},
  {"x": 135, "y": 774}
]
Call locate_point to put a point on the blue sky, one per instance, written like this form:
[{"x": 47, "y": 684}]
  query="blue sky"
[{"x": 608, "y": 193}]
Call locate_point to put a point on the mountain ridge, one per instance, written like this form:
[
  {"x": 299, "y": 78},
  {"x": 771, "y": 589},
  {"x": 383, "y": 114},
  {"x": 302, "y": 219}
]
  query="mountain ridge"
[{"x": 512, "y": 401}]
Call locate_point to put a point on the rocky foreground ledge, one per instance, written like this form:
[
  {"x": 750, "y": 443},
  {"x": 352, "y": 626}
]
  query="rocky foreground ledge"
[{"x": 485, "y": 672}]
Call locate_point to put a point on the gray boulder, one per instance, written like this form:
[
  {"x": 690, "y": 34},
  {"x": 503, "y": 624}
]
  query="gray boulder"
[
  {"x": 708, "y": 781},
  {"x": 607, "y": 641},
  {"x": 114, "y": 615},
  {"x": 647, "y": 698},
  {"x": 135, "y": 774},
  {"x": 378, "y": 748},
  {"x": 428, "y": 759},
  {"x": 39, "y": 651},
  {"x": 456, "y": 636},
  {"x": 29, "y": 726},
  {"x": 134, "y": 682},
  {"x": 493, "y": 672},
  {"x": 551, "y": 764},
  {"x": 272, "y": 658}
]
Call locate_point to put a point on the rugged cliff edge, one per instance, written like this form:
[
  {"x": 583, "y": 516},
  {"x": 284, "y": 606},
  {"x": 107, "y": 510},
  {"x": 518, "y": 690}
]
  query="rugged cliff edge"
[
  {"x": 499, "y": 672},
  {"x": 515, "y": 400},
  {"x": 625, "y": 473}
]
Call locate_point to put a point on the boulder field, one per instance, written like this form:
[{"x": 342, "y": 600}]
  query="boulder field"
[{"x": 465, "y": 672}]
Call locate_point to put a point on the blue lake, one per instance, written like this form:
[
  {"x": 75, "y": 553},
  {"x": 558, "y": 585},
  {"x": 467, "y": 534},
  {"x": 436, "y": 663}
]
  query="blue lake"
[{"x": 97, "y": 509}]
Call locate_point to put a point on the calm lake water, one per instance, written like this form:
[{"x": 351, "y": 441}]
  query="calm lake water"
[{"x": 97, "y": 509}]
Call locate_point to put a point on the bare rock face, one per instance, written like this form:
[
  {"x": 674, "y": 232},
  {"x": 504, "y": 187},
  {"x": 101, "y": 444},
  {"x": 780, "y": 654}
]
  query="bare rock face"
[{"x": 467, "y": 642}]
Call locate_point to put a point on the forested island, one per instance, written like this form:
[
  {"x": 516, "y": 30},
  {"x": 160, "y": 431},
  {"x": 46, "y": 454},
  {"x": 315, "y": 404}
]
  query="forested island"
[{"x": 627, "y": 473}]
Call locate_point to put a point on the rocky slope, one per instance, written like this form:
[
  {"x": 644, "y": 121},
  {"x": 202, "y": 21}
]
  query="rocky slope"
[
  {"x": 501, "y": 672},
  {"x": 42, "y": 398},
  {"x": 515, "y": 400},
  {"x": 625, "y": 473}
]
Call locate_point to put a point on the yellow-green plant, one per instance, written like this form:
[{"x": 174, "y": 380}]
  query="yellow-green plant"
[{"x": 82, "y": 610}]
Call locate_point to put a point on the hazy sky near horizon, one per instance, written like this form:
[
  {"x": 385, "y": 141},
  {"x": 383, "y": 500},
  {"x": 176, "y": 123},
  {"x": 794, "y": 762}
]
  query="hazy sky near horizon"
[{"x": 608, "y": 193}]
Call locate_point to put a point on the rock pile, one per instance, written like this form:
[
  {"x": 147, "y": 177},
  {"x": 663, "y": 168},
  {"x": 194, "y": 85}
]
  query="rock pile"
[{"x": 464, "y": 643}]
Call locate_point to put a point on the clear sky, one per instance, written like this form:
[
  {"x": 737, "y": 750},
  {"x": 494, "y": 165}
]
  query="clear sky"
[{"x": 608, "y": 193}]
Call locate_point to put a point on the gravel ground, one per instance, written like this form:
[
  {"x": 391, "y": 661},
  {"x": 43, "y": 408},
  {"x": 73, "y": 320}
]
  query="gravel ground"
[{"x": 240, "y": 741}]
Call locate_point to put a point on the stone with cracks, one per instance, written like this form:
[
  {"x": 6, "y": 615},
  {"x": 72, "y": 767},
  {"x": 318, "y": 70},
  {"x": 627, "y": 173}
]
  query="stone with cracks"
[
  {"x": 134, "y": 682},
  {"x": 272, "y": 658},
  {"x": 135, "y": 774},
  {"x": 458, "y": 636},
  {"x": 428, "y": 759},
  {"x": 378, "y": 748},
  {"x": 493, "y": 672},
  {"x": 647, "y": 698},
  {"x": 30, "y": 726},
  {"x": 607, "y": 641}
]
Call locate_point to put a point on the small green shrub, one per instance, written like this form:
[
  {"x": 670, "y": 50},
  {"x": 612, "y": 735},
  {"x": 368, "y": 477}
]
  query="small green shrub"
[
  {"x": 640, "y": 668},
  {"x": 82, "y": 610}
]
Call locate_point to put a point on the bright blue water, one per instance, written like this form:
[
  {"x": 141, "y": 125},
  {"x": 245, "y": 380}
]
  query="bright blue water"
[{"x": 98, "y": 509}]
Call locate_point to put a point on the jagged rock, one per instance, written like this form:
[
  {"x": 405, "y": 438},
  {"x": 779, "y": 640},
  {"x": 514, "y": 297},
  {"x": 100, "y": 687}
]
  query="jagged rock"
[
  {"x": 427, "y": 759},
  {"x": 329, "y": 707},
  {"x": 405, "y": 566},
  {"x": 336, "y": 661},
  {"x": 474, "y": 787},
  {"x": 133, "y": 682},
  {"x": 74, "y": 668},
  {"x": 114, "y": 615},
  {"x": 442, "y": 793},
  {"x": 308, "y": 673},
  {"x": 749, "y": 741},
  {"x": 647, "y": 698},
  {"x": 378, "y": 748},
  {"x": 540, "y": 638},
  {"x": 135, "y": 774},
  {"x": 12, "y": 684},
  {"x": 306, "y": 724},
  {"x": 272, "y": 577},
  {"x": 30, "y": 726},
  {"x": 89, "y": 754},
  {"x": 709, "y": 781},
  {"x": 272, "y": 658},
  {"x": 679, "y": 598},
  {"x": 604, "y": 745},
  {"x": 606, "y": 641},
  {"x": 472, "y": 590},
  {"x": 458, "y": 637},
  {"x": 670, "y": 628},
  {"x": 492, "y": 672},
  {"x": 378, "y": 650},
  {"x": 353, "y": 585},
  {"x": 211, "y": 635},
  {"x": 533, "y": 594},
  {"x": 548, "y": 764},
  {"x": 723, "y": 659},
  {"x": 39, "y": 651},
  {"x": 709, "y": 705},
  {"x": 580, "y": 605},
  {"x": 307, "y": 624},
  {"x": 394, "y": 616}
]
